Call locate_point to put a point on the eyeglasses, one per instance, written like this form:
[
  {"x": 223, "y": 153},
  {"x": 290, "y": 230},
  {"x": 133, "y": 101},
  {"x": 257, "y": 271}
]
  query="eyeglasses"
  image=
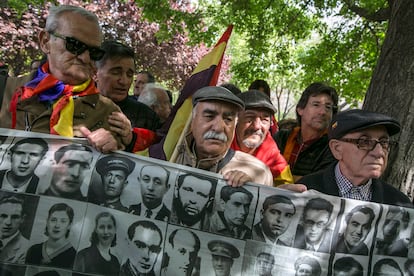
[
  {"x": 369, "y": 144},
  {"x": 77, "y": 47}
]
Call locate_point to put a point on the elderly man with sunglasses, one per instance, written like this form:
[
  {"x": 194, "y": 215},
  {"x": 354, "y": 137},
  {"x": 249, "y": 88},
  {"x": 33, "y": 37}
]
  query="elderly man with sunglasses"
[
  {"x": 360, "y": 141},
  {"x": 62, "y": 98}
]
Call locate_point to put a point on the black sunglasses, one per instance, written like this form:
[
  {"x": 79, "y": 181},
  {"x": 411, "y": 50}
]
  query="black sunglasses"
[{"x": 77, "y": 47}]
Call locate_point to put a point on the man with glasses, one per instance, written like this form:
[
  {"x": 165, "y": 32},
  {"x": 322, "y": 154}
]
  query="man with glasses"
[
  {"x": 305, "y": 147},
  {"x": 360, "y": 141},
  {"x": 253, "y": 136},
  {"x": 313, "y": 232},
  {"x": 62, "y": 98},
  {"x": 145, "y": 239}
]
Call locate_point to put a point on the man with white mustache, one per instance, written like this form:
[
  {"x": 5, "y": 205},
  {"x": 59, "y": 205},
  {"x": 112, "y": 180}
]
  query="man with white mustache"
[
  {"x": 253, "y": 135},
  {"x": 207, "y": 145}
]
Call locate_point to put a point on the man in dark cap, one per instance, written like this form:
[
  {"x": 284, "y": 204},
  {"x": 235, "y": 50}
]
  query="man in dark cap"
[
  {"x": 207, "y": 144},
  {"x": 223, "y": 255},
  {"x": 360, "y": 141},
  {"x": 114, "y": 171},
  {"x": 253, "y": 136}
]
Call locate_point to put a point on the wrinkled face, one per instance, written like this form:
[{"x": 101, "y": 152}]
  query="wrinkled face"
[
  {"x": 194, "y": 195},
  {"x": 392, "y": 226},
  {"x": 182, "y": 254},
  {"x": 317, "y": 112},
  {"x": 105, "y": 230},
  {"x": 362, "y": 164},
  {"x": 357, "y": 229},
  {"x": 25, "y": 158},
  {"x": 115, "y": 77},
  {"x": 276, "y": 219},
  {"x": 213, "y": 127},
  {"x": 314, "y": 224},
  {"x": 222, "y": 265},
  {"x": 304, "y": 270},
  {"x": 10, "y": 219},
  {"x": 57, "y": 225},
  {"x": 163, "y": 105},
  {"x": 236, "y": 209},
  {"x": 114, "y": 182},
  {"x": 252, "y": 128},
  {"x": 140, "y": 82},
  {"x": 65, "y": 66},
  {"x": 264, "y": 265},
  {"x": 70, "y": 171},
  {"x": 146, "y": 247},
  {"x": 154, "y": 185}
]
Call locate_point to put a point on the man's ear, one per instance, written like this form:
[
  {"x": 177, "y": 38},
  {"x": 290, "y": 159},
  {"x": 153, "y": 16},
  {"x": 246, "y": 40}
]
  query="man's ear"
[
  {"x": 299, "y": 110},
  {"x": 222, "y": 204},
  {"x": 336, "y": 148},
  {"x": 44, "y": 39}
]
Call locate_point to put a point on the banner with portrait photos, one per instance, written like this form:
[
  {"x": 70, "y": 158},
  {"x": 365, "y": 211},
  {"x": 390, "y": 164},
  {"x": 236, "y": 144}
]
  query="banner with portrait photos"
[{"x": 66, "y": 209}]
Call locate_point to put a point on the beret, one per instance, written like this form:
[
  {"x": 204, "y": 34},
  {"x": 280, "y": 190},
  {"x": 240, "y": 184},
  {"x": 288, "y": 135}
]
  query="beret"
[
  {"x": 222, "y": 248},
  {"x": 111, "y": 162},
  {"x": 357, "y": 119},
  {"x": 256, "y": 99},
  {"x": 217, "y": 93}
]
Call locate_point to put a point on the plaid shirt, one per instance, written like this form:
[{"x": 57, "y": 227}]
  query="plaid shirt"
[{"x": 348, "y": 190}]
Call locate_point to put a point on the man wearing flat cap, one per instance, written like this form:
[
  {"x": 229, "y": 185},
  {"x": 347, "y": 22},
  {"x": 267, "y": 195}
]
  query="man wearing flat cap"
[
  {"x": 223, "y": 255},
  {"x": 253, "y": 135},
  {"x": 360, "y": 141},
  {"x": 114, "y": 171},
  {"x": 207, "y": 145}
]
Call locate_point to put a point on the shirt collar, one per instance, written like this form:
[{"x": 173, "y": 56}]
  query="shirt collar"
[{"x": 348, "y": 190}]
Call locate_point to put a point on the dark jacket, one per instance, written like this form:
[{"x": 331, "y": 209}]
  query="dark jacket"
[
  {"x": 163, "y": 214},
  {"x": 316, "y": 157},
  {"x": 257, "y": 234},
  {"x": 139, "y": 114},
  {"x": 324, "y": 181},
  {"x": 300, "y": 240},
  {"x": 31, "y": 188}
]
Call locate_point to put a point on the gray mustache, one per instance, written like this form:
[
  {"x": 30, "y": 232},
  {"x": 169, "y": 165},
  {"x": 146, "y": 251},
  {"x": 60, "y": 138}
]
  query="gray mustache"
[{"x": 215, "y": 135}]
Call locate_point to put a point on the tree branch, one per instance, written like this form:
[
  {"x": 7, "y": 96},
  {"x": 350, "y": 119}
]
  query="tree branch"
[{"x": 380, "y": 15}]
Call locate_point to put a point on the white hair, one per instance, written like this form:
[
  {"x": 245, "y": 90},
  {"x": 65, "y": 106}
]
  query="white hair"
[{"x": 148, "y": 96}]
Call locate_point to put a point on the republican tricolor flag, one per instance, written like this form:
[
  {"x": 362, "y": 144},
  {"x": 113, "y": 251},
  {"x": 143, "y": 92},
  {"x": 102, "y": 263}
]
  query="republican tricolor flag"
[{"x": 205, "y": 74}]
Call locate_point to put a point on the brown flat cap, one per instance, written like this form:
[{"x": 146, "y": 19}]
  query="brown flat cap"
[{"x": 256, "y": 99}]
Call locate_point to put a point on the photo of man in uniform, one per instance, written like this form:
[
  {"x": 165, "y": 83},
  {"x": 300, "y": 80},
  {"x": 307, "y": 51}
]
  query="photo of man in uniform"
[
  {"x": 114, "y": 171},
  {"x": 264, "y": 264},
  {"x": 223, "y": 254}
]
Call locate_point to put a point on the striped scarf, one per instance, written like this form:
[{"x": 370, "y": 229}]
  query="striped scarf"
[{"x": 48, "y": 89}]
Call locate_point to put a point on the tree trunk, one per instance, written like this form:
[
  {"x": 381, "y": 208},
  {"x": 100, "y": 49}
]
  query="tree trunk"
[{"x": 391, "y": 91}]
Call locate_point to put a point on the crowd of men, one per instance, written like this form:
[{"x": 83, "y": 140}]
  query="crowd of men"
[{"x": 81, "y": 89}]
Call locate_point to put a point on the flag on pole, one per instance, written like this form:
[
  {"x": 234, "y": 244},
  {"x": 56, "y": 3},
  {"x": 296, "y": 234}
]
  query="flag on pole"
[{"x": 205, "y": 74}]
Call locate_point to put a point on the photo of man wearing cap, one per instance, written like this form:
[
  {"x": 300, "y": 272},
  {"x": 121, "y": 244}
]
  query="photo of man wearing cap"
[
  {"x": 360, "y": 141},
  {"x": 114, "y": 171},
  {"x": 223, "y": 254}
]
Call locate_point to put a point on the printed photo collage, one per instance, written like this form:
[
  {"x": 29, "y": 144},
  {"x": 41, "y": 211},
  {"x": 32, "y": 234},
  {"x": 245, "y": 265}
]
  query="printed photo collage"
[{"x": 66, "y": 209}]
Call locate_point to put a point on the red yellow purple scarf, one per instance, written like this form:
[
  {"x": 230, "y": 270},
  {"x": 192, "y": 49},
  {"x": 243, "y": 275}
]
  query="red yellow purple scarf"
[{"x": 49, "y": 89}]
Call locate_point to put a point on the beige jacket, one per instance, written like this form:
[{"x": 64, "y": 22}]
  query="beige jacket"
[{"x": 232, "y": 160}]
